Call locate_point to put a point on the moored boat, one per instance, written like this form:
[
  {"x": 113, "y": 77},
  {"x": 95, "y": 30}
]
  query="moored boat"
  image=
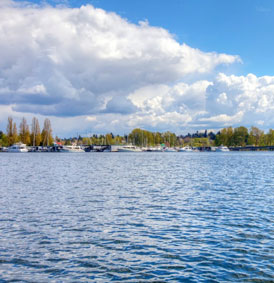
[
  {"x": 72, "y": 148},
  {"x": 222, "y": 148},
  {"x": 129, "y": 148},
  {"x": 169, "y": 149},
  {"x": 185, "y": 149},
  {"x": 18, "y": 147},
  {"x": 156, "y": 149}
]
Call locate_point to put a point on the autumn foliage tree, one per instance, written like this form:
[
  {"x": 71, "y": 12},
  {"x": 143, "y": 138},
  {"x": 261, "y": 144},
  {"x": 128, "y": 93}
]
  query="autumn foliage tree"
[
  {"x": 11, "y": 131},
  {"x": 47, "y": 133},
  {"x": 24, "y": 133},
  {"x": 35, "y": 132}
]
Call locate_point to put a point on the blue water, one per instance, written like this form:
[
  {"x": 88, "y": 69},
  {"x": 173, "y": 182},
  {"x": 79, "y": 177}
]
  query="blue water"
[{"x": 137, "y": 217}]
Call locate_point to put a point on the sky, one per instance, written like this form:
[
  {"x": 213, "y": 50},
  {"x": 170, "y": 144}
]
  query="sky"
[{"x": 98, "y": 66}]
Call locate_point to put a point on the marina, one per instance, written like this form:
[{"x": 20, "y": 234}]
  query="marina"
[
  {"x": 136, "y": 141},
  {"x": 127, "y": 148}
]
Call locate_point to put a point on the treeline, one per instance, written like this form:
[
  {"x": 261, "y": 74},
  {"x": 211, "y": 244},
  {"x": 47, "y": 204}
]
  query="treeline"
[
  {"x": 141, "y": 137},
  {"x": 241, "y": 136},
  {"x": 108, "y": 139},
  {"x": 31, "y": 137},
  {"x": 145, "y": 138}
]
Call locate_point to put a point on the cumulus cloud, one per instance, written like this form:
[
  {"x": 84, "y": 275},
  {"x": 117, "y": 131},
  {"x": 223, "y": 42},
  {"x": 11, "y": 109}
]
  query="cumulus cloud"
[
  {"x": 246, "y": 100},
  {"x": 91, "y": 69},
  {"x": 120, "y": 105},
  {"x": 224, "y": 119},
  {"x": 70, "y": 61}
]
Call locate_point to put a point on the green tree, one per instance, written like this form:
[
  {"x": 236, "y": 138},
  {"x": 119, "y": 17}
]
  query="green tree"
[
  {"x": 136, "y": 137},
  {"x": 3, "y": 140},
  {"x": 240, "y": 136},
  {"x": 225, "y": 137},
  {"x": 118, "y": 140},
  {"x": 109, "y": 139},
  {"x": 86, "y": 141},
  {"x": 256, "y": 136},
  {"x": 158, "y": 138},
  {"x": 270, "y": 137},
  {"x": 201, "y": 142}
]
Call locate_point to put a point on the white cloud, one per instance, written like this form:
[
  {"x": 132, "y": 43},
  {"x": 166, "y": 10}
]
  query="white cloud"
[
  {"x": 76, "y": 59},
  {"x": 246, "y": 100},
  {"x": 224, "y": 119},
  {"x": 104, "y": 73}
]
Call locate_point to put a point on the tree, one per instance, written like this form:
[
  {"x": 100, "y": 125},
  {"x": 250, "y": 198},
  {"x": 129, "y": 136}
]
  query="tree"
[
  {"x": 225, "y": 137},
  {"x": 11, "y": 132},
  {"x": 240, "y": 136},
  {"x": 86, "y": 141},
  {"x": 270, "y": 137},
  {"x": 255, "y": 136},
  {"x": 35, "y": 132},
  {"x": 109, "y": 139},
  {"x": 3, "y": 139},
  {"x": 117, "y": 140},
  {"x": 47, "y": 133},
  {"x": 158, "y": 138},
  {"x": 24, "y": 132}
]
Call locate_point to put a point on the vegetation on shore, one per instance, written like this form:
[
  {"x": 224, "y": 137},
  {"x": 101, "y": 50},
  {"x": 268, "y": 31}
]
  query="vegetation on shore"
[
  {"x": 33, "y": 137},
  {"x": 240, "y": 136}
]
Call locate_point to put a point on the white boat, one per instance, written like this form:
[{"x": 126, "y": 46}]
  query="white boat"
[
  {"x": 156, "y": 149},
  {"x": 170, "y": 149},
  {"x": 72, "y": 148},
  {"x": 222, "y": 148},
  {"x": 185, "y": 149},
  {"x": 129, "y": 148},
  {"x": 152, "y": 149},
  {"x": 18, "y": 147}
]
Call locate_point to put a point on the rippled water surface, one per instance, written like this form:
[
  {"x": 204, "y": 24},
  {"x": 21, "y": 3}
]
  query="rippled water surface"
[{"x": 137, "y": 217}]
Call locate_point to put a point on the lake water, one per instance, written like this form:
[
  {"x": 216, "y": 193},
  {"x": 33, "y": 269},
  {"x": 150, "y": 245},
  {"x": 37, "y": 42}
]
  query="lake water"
[{"x": 137, "y": 217}]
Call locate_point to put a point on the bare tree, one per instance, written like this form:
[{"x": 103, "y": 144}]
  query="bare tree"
[
  {"x": 11, "y": 131},
  {"x": 47, "y": 133},
  {"x": 24, "y": 132},
  {"x": 35, "y": 132}
]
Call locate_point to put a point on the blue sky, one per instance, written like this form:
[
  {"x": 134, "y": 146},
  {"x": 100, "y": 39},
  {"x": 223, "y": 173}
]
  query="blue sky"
[
  {"x": 102, "y": 66},
  {"x": 242, "y": 27}
]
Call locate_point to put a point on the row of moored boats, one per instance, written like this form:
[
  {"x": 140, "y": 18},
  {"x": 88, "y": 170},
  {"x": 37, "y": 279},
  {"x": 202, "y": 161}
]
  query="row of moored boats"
[
  {"x": 20, "y": 147},
  {"x": 131, "y": 148}
]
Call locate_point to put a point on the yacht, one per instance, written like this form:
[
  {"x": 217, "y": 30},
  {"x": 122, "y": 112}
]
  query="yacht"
[
  {"x": 129, "y": 148},
  {"x": 170, "y": 149},
  {"x": 156, "y": 149},
  {"x": 72, "y": 148},
  {"x": 222, "y": 148},
  {"x": 185, "y": 149},
  {"x": 18, "y": 147}
]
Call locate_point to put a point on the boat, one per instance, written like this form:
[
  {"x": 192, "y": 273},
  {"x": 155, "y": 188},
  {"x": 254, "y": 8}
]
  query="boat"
[
  {"x": 18, "y": 147},
  {"x": 222, "y": 148},
  {"x": 129, "y": 148},
  {"x": 156, "y": 149},
  {"x": 185, "y": 149},
  {"x": 72, "y": 148},
  {"x": 170, "y": 149}
]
